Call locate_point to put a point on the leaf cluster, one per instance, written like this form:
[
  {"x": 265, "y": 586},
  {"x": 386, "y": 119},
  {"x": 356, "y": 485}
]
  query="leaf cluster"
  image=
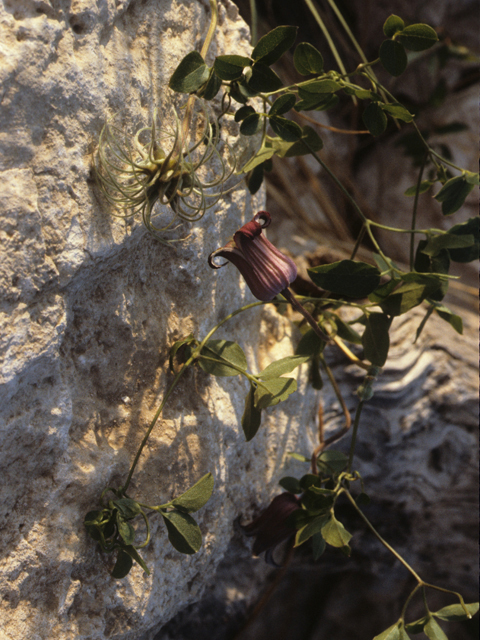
[
  {"x": 319, "y": 492},
  {"x": 112, "y": 526},
  {"x": 428, "y": 624}
]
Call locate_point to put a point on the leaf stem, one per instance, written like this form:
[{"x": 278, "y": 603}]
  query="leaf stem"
[
  {"x": 152, "y": 424},
  {"x": 382, "y": 540},
  {"x": 288, "y": 295},
  {"x": 414, "y": 213},
  {"x": 354, "y": 434},
  {"x": 407, "y": 602}
]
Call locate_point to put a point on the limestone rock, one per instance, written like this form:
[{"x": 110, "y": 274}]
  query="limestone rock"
[{"x": 90, "y": 305}]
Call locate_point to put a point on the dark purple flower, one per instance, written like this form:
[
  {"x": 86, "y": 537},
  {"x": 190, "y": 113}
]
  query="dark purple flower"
[
  {"x": 274, "y": 525},
  {"x": 266, "y": 270}
]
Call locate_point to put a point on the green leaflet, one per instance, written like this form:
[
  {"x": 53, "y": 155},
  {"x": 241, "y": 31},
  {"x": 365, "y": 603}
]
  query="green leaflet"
[
  {"x": 375, "y": 339},
  {"x": 190, "y": 75},
  {"x": 284, "y": 365},
  {"x": 183, "y": 532},
  {"x": 217, "y": 354},
  {"x": 393, "y": 57},
  {"x": 196, "y": 497},
  {"x": 346, "y": 278},
  {"x": 274, "y": 44},
  {"x": 276, "y": 391},
  {"x": 252, "y": 416},
  {"x": 307, "y": 59}
]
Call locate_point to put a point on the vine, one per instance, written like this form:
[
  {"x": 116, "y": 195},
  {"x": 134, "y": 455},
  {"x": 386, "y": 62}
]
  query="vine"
[{"x": 136, "y": 177}]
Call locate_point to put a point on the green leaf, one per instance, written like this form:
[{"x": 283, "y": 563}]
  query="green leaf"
[
  {"x": 332, "y": 462},
  {"x": 290, "y": 484},
  {"x": 252, "y": 417},
  {"x": 317, "y": 102},
  {"x": 375, "y": 339},
  {"x": 397, "y": 110},
  {"x": 276, "y": 391},
  {"x": 263, "y": 79},
  {"x": 251, "y": 125},
  {"x": 284, "y": 365},
  {"x": 298, "y": 456},
  {"x": 434, "y": 631},
  {"x": 393, "y": 57},
  {"x": 314, "y": 376},
  {"x": 346, "y": 278},
  {"x": 425, "y": 185},
  {"x": 453, "y": 193},
  {"x": 180, "y": 343},
  {"x": 362, "y": 499},
  {"x": 346, "y": 332},
  {"x": 417, "y": 625},
  {"x": 335, "y": 533},
  {"x": 404, "y": 298},
  {"x": 472, "y": 226},
  {"x": 393, "y": 24},
  {"x": 265, "y": 152},
  {"x": 126, "y": 530},
  {"x": 255, "y": 179},
  {"x": 417, "y": 37},
  {"x": 212, "y": 87},
  {"x": 283, "y": 104},
  {"x": 318, "y": 88},
  {"x": 453, "y": 320},
  {"x": 310, "y": 345},
  {"x": 318, "y": 545},
  {"x": 122, "y": 566},
  {"x": 183, "y": 532},
  {"x": 190, "y": 75},
  {"x": 392, "y": 633},
  {"x": 228, "y": 352},
  {"x": 310, "y": 480},
  {"x": 133, "y": 553},
  {"x": 196, "y": 497},
  {"x": 440, "y": 263},
  {"x": 403, "y": 634},
  {"x": 313, "y": 527},
  {"x": 243, "y": 112},
  {"x": 374, "y": 119},
  {"x": 128, "y": 508},
  {"x": 286, "y": 129},
  {"x": 308, "y": 142},
  {"x": 230, "y": 67},
  {"x": 456, "y": 612},
  {"x": 307, "y": 59},
  {"x": 435, "y": 244},
  {"x": 274, "y": 44},
  {"x": 472, "y": 178}
]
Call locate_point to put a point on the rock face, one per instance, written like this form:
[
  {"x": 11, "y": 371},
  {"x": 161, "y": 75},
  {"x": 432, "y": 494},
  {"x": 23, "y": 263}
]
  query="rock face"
[{"x": 90, "y": 305}]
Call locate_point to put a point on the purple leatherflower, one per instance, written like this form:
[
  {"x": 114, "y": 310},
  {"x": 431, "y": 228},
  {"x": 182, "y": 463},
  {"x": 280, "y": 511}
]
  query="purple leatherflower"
[
  {"x": 274, "y": 525},
  {"x": 266, "y": 270}
]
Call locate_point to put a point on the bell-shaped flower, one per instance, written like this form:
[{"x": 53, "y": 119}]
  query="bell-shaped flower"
[
  {"x": 273, "y": 526},
  {"x": 266, "y": 270}
]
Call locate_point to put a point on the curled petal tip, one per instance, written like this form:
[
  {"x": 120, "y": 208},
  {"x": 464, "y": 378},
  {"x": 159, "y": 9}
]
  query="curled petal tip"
[{"x": 266, "y": 270}]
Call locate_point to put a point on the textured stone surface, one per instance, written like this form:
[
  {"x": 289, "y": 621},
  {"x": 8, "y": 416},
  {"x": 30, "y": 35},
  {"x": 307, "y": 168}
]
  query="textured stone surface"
[{"x": 89, "y": 307}]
